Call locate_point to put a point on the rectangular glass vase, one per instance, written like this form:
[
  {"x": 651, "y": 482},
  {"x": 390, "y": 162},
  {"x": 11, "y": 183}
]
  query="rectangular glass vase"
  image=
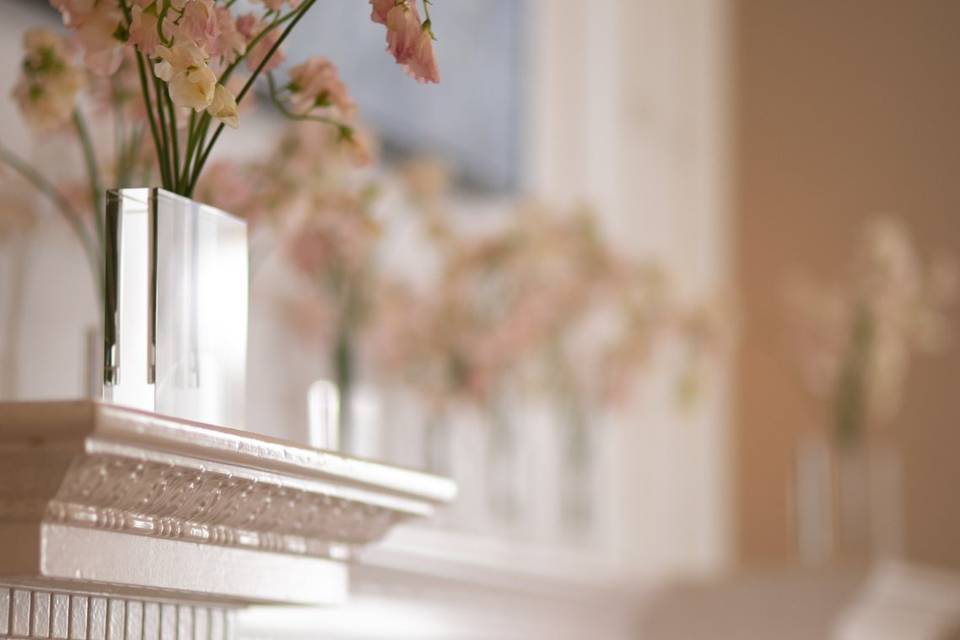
[{"x": 175, "y": 312}]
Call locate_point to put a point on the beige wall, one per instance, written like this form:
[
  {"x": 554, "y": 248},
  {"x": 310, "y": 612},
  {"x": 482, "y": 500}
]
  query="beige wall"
[{"x": 844, "y": 110}]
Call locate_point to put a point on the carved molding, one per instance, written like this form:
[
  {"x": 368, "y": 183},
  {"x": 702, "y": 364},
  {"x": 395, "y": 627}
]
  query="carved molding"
[
  {"x": 151, "y": 488},
  {"x": 31, "y": 613},
  {"x": 170, "y": 501},
  {"x": 153, "y": 492}
]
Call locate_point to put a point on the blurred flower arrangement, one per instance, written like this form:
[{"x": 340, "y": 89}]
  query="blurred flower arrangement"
[
  {"x": 49, "y": 93},
  {"x": 856, "y": 339},
  {"x": 542, "y": 302},
  {"x": 312, "y": 195},
  {"x": 542, "y": 309},
  {"x": 171, "y": 74}
]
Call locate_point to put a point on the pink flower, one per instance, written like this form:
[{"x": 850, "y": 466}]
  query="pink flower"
[
  {"x": 97, "y": 34},
  {"x": 225, "y": 185},
  {"x": 143, "y": 31},
  {"x": 316, "y": 84},
  {"x": 249, "y": 26},
  {"x": 408, "y": 40},
  {"x": 74, "y": 11},
  {"x": 403, "y": 30},
  {"x": 229, "y": 43},
  {"x": 199, "y": 22},
  {"x": 422, "y": 64},
  {"x": 223, "y": 107},
  {"x": 380, "y": 10}
]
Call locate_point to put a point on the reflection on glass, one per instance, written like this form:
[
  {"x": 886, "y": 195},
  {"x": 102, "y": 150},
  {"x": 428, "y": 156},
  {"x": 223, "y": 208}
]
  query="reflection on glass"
[{"x": 176, "y": 316}]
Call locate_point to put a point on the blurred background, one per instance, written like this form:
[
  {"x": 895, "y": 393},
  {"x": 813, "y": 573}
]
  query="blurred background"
[{"x": 758, "y": 196}]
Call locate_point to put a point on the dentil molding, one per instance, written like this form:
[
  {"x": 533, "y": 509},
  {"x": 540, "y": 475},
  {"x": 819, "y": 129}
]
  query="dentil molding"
[{"x": 31, "y": 613}]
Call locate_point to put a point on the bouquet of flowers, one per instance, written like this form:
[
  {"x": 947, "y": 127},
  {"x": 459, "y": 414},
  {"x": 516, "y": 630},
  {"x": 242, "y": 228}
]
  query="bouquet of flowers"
[{"x": 171, "y": 74}]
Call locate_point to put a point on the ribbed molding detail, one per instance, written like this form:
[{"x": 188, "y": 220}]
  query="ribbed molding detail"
[{"x": 27, "y": 613}]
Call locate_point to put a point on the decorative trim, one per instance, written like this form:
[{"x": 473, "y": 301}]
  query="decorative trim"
[
  {"x": 142, "y": 474},
  {"x": 102, "y": 498},
  {"x": 30, "y": 613},
  {"x": 168, "y": 501}
]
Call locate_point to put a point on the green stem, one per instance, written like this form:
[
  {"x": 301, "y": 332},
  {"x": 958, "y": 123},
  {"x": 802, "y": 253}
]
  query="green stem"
[
  {"x": 164, "y": 133},
  {"x": 298, "y": 15},
  {"x": 174, "y": 135},
  {"x": 62, "y": 206},
  {"x": 343, "y": 374},
  {"x": 192, "y": 130},
  {"x": 198, "y": 133},
  {"x": 129, "y": 158},
  {"x": 116, "y": 110},
  {"x": 850, "y": 405},
  {"x": 225, "y": 76},
  {"x": 147, "y": 105},
  {"x": 93, "y": 173},
  {"x": 285, "y": 111}
]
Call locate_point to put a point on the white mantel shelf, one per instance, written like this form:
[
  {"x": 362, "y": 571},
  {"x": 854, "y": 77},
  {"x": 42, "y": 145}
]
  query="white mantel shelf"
[{"x": 116, "y": 523}]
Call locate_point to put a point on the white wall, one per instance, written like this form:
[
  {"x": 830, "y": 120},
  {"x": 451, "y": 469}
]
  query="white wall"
[{"x": 630, "y": 113}]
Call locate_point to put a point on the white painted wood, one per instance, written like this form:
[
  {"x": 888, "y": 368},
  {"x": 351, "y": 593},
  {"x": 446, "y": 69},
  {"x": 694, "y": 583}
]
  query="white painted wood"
[
  {"x": 46, "y": 614},
  {"x": 422, "y": 582},
  {"x": 120, "y": 524},
  {"x": 901, "y": 600}
]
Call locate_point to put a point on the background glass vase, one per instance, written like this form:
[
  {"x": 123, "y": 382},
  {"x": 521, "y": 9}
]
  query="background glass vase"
[
  {"x": 847, "y": 500},
  {"x": 504, "y": 471},
  {"x": 356, "y": 431},
  {"x": 576, "y": 477}
]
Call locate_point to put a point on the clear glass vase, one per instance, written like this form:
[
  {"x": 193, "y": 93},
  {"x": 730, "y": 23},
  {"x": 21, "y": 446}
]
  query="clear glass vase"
[
  {"x": 437, "y": 445},
  {"x": 847, "y": 500},
  {"x": 357, "y": 431},
  {"x": 576, "y": 478},
  {"x": 175, "y": 307},
  {"x": 503, "y": 472}
]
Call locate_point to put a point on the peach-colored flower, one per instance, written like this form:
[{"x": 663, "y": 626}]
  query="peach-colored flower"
[
  {"x": 193, "y": 88},
  {"x": 46, "y": 92},
  {"x": 315, "y": 83},
  {"x": 182, "y": 56},
  {"x": 191, "y": 82},
  {"x": 224, "y": 107}
]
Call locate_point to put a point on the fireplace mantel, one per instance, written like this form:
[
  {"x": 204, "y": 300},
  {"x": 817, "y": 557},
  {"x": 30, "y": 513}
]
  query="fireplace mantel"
[{"x": 115, "y": 523}]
